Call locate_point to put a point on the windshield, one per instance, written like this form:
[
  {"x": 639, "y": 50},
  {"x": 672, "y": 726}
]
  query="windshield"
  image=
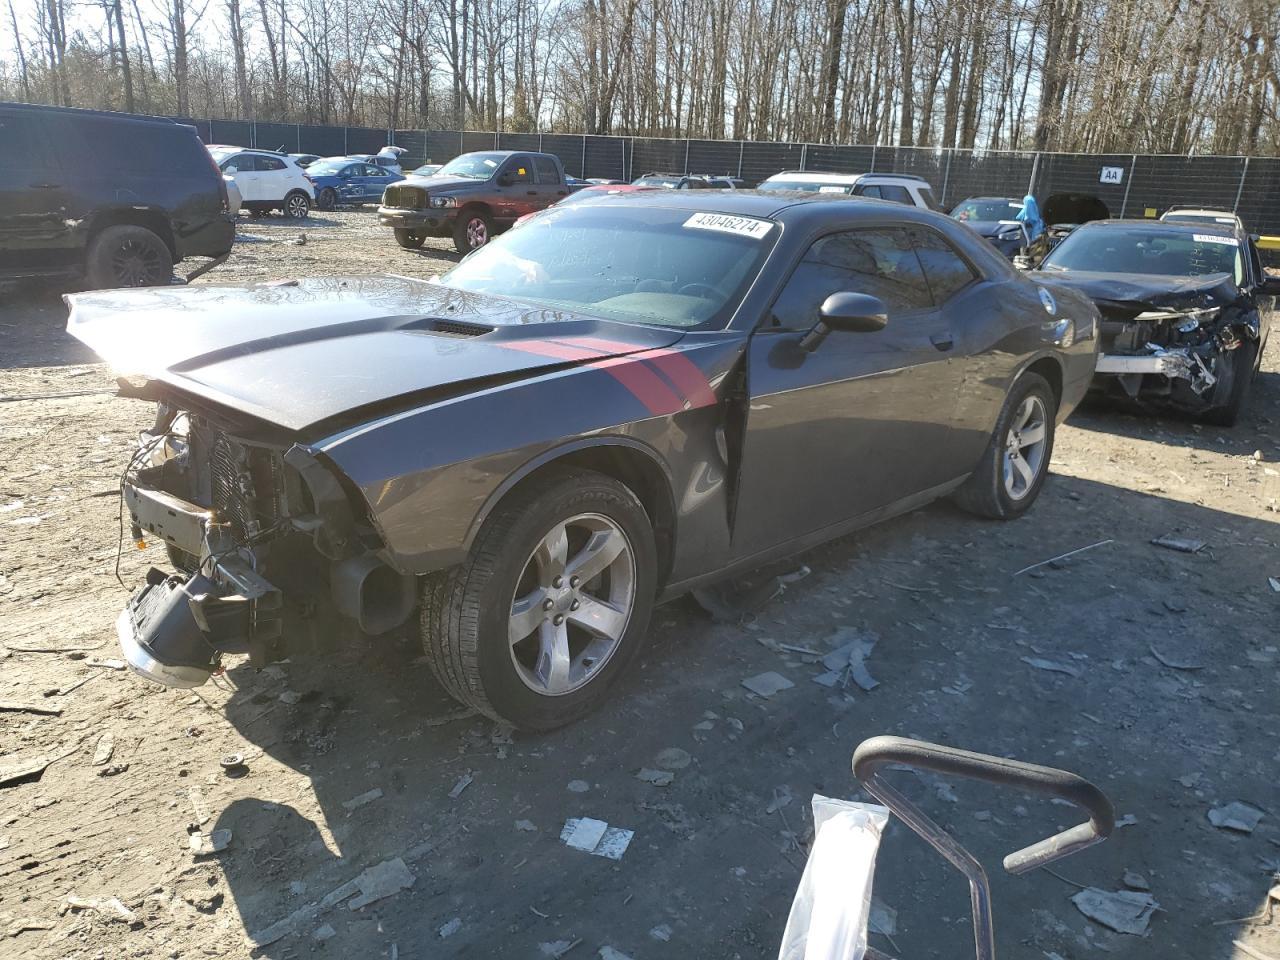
[
  {"x": 1147, "y": 250},
  {"x": 980, "y": 210},
  {"x": 473, "y": 166},
  {"x": 220, "y": 155},
  {"x": 1198, "y": 218},
  {"x": 671, "y": 182},
  {"x": 426, "y": 170},
  {"x": 327, "y": 167},
  {"x": 634, "y": 264},
  {"x": 806, "y": 186}
]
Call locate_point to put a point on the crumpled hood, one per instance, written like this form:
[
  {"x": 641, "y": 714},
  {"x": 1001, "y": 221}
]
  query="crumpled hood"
[
  {"x": 1146, "y": 291},
  {"x": 436, "y": 183},
  {"x": 992, "y": 228},
  {"x": 302, "y": 352}
]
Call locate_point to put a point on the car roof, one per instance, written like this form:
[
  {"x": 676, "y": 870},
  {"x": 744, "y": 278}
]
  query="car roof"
[
  {"x": 1207, "y": 211},
  {"x": 786, "y": 206},
  {"x": 1016, "y": 200},
  {"x": 1173, "y": 226},
  {"x": 82, "y": 112}
]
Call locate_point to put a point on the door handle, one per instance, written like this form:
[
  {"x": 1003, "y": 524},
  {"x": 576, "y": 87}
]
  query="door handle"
[
  {"x": 46, "y": 186},
  {"x": 531, "y": 193},
  {"x": 943, "y": 341}
]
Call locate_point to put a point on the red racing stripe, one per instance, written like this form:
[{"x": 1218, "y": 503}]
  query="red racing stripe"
[
  {"x": 548, "y": 348},
  {"x": 647, "y": 386},
  {"x": 684, "y": 373}
]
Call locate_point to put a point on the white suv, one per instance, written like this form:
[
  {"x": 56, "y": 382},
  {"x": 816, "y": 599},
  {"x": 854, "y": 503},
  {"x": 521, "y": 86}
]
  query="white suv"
[
  {"x": 899, "y": 187},
  {"x": 267, "y": 181}
]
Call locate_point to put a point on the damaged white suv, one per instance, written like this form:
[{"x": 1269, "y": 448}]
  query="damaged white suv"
[{"x": 1186, "y": 309}]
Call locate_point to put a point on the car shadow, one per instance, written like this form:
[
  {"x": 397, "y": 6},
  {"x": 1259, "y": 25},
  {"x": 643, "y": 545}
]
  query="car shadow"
[
  {"x": 384, "y": 767},
  {"x": 1182, "y": 429},
  {"x": 33, "y": 326},
  {"x": 281, "y": 220},
  {"x": 433, "y": 253}
]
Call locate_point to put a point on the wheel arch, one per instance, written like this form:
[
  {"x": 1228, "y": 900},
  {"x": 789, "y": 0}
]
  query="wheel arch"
[
  {"x": 1049, "y": 367},
  {"x": 149, "y": 219},
  {"x": 632, "y": 463}
]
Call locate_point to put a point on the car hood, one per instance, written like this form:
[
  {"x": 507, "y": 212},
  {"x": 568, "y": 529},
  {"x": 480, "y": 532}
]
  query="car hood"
[
  {"x": 437, "y": 182},
  {"x": 338, "y": 351},
  {"x": 991, "y": 228},
  {"x": 1141, "y": 291}
]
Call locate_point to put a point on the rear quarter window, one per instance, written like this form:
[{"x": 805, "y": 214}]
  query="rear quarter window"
[
  {"x": 134, "y": 148},
  {"x": 946, "y": 272},
  {"x": 21, "y": 144},
  {"x": 547, "y": 172}
]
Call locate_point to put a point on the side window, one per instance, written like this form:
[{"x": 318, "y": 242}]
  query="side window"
[
  {"x": 869, "y": 191},
  {"x": 237, "y": 164},
  {"x": 946, "y": 270},
  {"x": 351, "y": 170},
  {"x": 890, "y": 191},
  {"x": 1255, "y": 261},
  {"x": 21, "y": 145},
  {"x": 878, "y": 262},
  {"x": 269, "y": 163},
  {"x": 519, "y": 170},
  {"x": 546, "y": 168},
  {"x": 929, "y": 201}
]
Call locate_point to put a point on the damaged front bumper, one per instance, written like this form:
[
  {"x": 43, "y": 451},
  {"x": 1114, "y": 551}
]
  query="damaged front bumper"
[{"x": 1177, "y": 364}]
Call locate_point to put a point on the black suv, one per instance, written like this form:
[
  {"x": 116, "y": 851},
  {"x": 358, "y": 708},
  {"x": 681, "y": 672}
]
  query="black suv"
[{"x": 114, "y": 198}]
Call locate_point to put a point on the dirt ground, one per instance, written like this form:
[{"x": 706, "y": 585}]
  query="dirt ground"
[{"x": 1165, "y": 695}]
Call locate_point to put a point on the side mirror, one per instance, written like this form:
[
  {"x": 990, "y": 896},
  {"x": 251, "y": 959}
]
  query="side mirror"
[{"x": 848, "y": 312}]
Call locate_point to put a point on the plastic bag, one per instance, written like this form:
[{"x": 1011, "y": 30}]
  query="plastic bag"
[{"x": 829, "y": 915}]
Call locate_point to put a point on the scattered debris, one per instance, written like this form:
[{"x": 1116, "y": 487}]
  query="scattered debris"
[
  {"x": 577, "y": 786},
  {"x": 1050, "y": 665},
  {"x": 673, "y": 758},
  {"x": 74, "y": 685},
  {"x": 1128, "y": 820},
  {"x": 381, "y": 881},
  {"x": 781, "y": 797},
  {"x": 1062, "y": 556},
  {"x": 526, "y": 826},
  {"x": 1180, "y": 544},
  {"x": 204, "y": 844},
  {"x": 659, "y": 778},
  {"x": 102, "y": 752},
  {"x": 1237, "y": 816},
  {"x": 112, "y": 770},
  {"x": 609, "y": 953},
  {"x": 450, "y": 928},
  {"x": 848, "y": 661},
  {"x": 28, "y": 923},
  {"x": 883, "y": 918},
  {"x": 363, "y": 799},
  {"x": 290, "y": 697},
  {"x": 110, "y": 907},
  {"x": 1173, "y": 664},
  {"x": 23, "y": 770},
  {"x": 1275, "y": 583},
  {"x": 323, "y": 933},
  {"x": 198, "y": 806},
  {"x": 1125, "y": 911},
  {"x": 596, "y": 837},
  {"x": 1250, "y": 952},
  {"x": 233, "y": 766},
  {"x": 1135, "y": 881},
  {"x": 108, "y": 664},
  {"x": 556, "y": 949},
  {"x": 14, "y": 706},
  {"x": 464, "y": 781},
  {"x": 661, "y": 932},
  {"x": 767, "y": 684}
]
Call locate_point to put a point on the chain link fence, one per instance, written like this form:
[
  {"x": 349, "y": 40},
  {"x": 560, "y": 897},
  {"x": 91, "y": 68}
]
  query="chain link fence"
[{"x": 1131, "y": 185}]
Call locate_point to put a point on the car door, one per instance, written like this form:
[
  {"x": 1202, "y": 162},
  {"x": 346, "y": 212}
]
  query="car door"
[
  {"x": 34, "y": 233},
  {"x": 551, "y": 187},
  {"x": 242, "y": 169},
  {"x": 273, "y": 178},
  {"x": 862, "y": 421},
  {"x": 375, "y": 180},
  {"x": 517, "y": 190}
]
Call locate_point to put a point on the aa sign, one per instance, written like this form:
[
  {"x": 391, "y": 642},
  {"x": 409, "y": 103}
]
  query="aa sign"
[{"x": 1111, "y": 175}]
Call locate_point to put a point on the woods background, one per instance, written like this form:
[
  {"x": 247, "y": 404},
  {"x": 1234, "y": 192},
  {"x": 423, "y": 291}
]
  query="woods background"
[{"x": 1145, "y": 76}]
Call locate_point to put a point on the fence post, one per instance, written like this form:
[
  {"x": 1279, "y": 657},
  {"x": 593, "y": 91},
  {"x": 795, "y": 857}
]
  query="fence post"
[
  {"x": 1035, "y": 168},
  {"x": 631, "y": 161},
  {"x": 742, "y": 146},
  {"x": 461, "y": 140},
  {"x": 253, "y": 134},
  {"x": 1244, "y": 172},
  {"x": 584, "y": 156},
  {"x": 495, "y": 139},
  {"x": 686, "y": 156},
  {"x": 804, "y": 155},
  {"x": 1128, "y": 182},
  {"x": 297, "y": 135},
  {"x": 946, "y": 177},
  {"x": 346, "y": 141},
  {"x": 873, "y": 159}
]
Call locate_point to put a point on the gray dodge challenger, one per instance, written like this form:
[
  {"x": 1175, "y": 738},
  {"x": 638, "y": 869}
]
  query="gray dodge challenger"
[{"x": 620, "y": 402}]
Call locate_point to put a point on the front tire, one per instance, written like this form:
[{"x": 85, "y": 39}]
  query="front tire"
[
  {"x": 551, "y": 605},
  {"x": 409, "y": 239},
  {"x": 1016, "y": 461},
  {"x": 327, "y": 200},
  {"x": 471, "y": 231},
  {"x": 1244, "y": 361},
  {"x": 128, "y": 256}
]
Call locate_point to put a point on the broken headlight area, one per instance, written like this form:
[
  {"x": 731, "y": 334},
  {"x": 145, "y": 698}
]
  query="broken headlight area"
[
  {"x": 272, "y": 558},
  {"x": 1178, "y": 356}
]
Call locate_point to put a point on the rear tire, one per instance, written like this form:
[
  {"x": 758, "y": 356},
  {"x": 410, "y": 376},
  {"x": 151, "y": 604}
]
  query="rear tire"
[
  {"x": 409, "y": 239},
  {"x": 297, "y": 205},
  {"x": 1002, "y": 488},
  {"x": 128, "y": 256},
  {"x": 472, "y": 230},
  {"x": 1244, "y": 361},
  {"x": 556, "y": 670}
]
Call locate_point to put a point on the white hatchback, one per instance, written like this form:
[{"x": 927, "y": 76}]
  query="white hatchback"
[{"x": 267, "y": 181}]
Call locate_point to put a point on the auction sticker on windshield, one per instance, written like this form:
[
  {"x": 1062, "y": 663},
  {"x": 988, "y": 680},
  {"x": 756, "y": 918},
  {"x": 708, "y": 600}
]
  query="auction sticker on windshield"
[
  {"x": 1210, "y": 238},
  {"x": 724, "y": 223}
]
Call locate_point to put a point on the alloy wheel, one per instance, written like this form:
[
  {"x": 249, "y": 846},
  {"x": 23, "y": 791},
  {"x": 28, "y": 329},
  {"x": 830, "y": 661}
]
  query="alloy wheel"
[
  {"x": 1024, "y": 447},
  {"x": 572, "y": 604},
  {"x": 297, "y": 207},
  {"x": 477, "y": 233},
  {"x": 137, "y": 264}
]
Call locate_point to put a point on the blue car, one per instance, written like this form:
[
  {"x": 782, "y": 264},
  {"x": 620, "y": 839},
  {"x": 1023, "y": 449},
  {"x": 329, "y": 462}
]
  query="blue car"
[{"x": 340, "y": 180}]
